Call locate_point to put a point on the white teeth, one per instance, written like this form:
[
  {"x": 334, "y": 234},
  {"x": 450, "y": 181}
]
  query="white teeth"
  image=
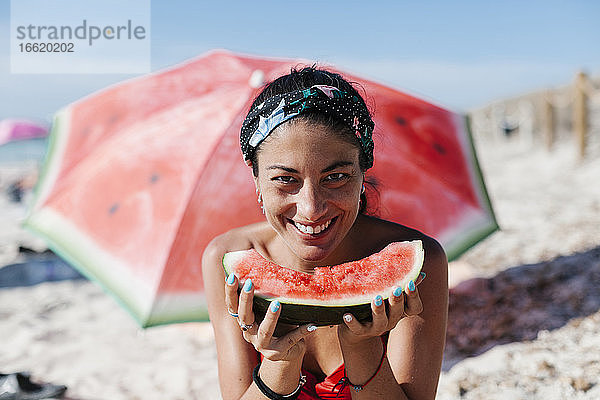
[{"x": 312, "y": 230}]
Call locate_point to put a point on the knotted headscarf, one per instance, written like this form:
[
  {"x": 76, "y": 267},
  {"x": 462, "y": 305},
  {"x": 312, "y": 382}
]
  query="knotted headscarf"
[{"x": 265, "y": 117}]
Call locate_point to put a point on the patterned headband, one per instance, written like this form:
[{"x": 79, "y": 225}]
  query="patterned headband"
[{"x": 329, "y": 100}]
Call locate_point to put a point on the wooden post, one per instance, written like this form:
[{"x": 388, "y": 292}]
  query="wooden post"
[
  {"x": 549, "y": 120},
  {"x": 580, "y": 112}
]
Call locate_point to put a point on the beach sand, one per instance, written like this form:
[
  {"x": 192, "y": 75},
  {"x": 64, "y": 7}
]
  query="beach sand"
[{"x": 524, "y": 319}]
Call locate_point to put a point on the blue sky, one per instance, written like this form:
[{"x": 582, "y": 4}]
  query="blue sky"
[{"x": 462, "y": 54}]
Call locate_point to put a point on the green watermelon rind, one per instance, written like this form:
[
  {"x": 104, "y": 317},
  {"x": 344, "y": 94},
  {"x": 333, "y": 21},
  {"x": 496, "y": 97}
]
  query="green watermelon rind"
[
  {"x": 72, "y": 246},
  {"x": 56, "y": 146},
  {"x": 320, "y": 313},
  {"x": 487, "y": 224},
  {"x": 297, "y": 314}
]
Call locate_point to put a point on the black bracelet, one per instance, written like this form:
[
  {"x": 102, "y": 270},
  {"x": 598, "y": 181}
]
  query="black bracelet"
[{"x": 271, "y": 394}]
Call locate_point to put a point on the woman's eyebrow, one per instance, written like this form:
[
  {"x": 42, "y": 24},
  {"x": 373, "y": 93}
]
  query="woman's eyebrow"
[
  {"x": 333, "y": 166},
  {"x": 337, "y": 164},
  {"x": 286, "y": 169}
]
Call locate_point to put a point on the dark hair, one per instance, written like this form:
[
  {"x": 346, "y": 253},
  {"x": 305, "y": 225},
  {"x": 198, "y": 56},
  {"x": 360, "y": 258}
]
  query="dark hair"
[{"x": 305, "y": 78}]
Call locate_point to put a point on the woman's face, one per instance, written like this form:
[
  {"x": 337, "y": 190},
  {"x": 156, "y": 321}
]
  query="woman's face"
[{"x": 310, "y": 182}]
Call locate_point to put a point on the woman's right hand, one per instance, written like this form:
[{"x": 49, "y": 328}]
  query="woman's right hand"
[{"x": 290, "y": 347}]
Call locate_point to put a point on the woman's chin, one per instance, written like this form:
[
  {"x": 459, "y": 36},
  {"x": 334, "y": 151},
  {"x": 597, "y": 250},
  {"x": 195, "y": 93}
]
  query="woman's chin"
[{"x": 311, "y": 254}]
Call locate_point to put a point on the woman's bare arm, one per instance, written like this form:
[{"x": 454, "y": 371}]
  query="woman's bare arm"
[
  {"x": 416, "y": 344},
  {"x": 237, "y": 357}
]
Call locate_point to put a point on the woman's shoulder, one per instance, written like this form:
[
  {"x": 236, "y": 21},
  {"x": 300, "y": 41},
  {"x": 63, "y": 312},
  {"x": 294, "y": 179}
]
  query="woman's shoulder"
[
  {"x": 435, "y": 264},
  {"x": 247, "y": 237},
  {"x": 383, "y": 232},
  {"x": 380, "y": 233}
]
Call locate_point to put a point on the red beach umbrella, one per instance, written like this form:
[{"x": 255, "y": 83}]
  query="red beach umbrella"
[{"x": 142, "y": 175}]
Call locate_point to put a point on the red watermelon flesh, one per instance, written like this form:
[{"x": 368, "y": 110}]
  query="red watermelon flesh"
[{"x": 331, "y": 291}]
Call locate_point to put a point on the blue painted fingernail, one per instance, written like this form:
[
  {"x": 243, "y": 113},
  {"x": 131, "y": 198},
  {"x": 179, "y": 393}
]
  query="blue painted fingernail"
[
  {"x": 275, "y": 306},
  {"x": 311, "y": 328},
  {"x": 230, "y": 279},
  {"x": 378, "y": 300},
  {"x": 398, "y": 292},
  {"x": 248, "y": 285},
  {"x": 411, "y": 286},
  {"x": 423, "y": 275},
  {"x": 348, "y": 317}
]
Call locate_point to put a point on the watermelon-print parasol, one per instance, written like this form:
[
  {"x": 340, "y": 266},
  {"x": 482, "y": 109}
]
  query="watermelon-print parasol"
[
  {"x": 140, "y": 176},
  {"x": 20, "y": 129}
]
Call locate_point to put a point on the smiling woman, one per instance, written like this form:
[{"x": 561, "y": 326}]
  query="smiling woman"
[{"x": 308, "y": 140}]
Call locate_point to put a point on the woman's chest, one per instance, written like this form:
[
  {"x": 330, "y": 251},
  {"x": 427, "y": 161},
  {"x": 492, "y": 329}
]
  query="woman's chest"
[{"x": 323, "y": 353}]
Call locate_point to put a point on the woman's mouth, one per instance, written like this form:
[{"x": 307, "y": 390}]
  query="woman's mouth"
[{"x": 313, "y": 230}]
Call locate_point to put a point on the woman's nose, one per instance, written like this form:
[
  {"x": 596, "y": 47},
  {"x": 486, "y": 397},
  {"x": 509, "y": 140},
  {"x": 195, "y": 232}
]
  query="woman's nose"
[{"x": 310, "y": 202}]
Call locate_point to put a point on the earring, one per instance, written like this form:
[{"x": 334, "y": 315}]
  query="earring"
[
  {"x": 362, "y": 191},
  {"x": 262, "y": 207}
]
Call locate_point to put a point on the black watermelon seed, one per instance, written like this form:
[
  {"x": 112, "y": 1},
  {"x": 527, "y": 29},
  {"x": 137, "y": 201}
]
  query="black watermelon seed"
[
  {"x": 400, "y": 121},
  {"x": 154, "y": 178},
  {"x": 113, "y": 209},
  {"x": 438, "y": 147},
  {"x": 113, "y": 118}
]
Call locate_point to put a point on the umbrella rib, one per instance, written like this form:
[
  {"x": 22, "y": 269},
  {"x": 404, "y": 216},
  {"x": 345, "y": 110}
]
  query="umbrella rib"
[{"x": 202, "y": 170}]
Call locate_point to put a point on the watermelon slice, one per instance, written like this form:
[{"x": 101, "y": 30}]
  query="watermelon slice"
[{"x": 324, "y": 297}]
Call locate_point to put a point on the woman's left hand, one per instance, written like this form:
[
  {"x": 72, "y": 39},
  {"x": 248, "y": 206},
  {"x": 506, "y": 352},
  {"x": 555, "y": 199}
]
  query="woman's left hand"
[{"x": 401, "y": 304}]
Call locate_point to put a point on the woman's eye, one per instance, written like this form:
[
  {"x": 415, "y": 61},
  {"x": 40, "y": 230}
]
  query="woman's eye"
[
  {"x": 336, "y": 177},
  {"x": 283, "y": 179}
]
